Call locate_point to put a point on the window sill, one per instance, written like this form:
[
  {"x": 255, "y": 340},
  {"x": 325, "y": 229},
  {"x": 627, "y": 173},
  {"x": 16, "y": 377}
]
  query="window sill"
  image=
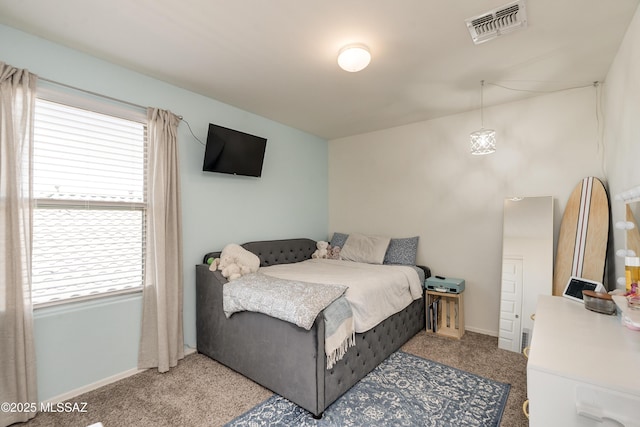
[{"x": 108, "y": 297}]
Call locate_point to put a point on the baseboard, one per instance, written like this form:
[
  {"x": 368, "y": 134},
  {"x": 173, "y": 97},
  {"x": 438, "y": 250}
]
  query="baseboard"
[
  {"x": 90, "y": 387},
  {"x": 103, "y": 382},
  {"x": 481, "y": 331}
]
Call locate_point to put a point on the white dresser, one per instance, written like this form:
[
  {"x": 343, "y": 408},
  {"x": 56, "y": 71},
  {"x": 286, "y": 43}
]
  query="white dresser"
[{"x": 583, "y": 368}]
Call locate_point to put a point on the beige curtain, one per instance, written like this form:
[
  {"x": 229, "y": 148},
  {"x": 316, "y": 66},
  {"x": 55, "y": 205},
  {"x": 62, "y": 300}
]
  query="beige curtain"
[
  {"x": 17, "y": 355},
  {"x": 162, "y": 342}
]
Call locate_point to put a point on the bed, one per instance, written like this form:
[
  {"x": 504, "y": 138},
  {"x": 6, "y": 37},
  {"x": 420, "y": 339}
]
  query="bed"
[{"x": 281, "y": 356}]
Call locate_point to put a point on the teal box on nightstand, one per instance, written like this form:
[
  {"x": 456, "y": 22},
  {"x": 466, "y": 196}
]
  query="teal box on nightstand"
[{"x": 446, "y": 284}]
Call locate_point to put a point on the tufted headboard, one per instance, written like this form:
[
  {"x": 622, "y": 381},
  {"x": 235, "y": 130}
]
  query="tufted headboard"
[{"x": 273, "y": 252}]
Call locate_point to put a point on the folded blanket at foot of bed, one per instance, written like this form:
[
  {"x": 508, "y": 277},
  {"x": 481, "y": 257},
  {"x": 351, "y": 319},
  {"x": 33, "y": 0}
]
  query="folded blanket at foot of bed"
[{"x": 298, "y": 303}]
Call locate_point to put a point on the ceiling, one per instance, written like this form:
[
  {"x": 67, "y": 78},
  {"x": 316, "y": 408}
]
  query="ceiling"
[{"x": 277, "y": 58}]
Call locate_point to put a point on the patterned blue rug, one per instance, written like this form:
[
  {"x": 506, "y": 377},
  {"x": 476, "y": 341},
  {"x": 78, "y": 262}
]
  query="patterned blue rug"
[{"x": 404, "y": 390}]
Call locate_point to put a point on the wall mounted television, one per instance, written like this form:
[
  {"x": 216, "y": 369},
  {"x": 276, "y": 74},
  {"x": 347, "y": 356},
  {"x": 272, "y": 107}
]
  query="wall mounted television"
[{"x": 233, "y": 152}]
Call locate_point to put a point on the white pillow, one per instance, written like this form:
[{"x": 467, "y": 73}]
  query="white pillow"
[{"x": 361, "y": 248}]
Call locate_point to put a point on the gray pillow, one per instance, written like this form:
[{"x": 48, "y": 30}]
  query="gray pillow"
[
  {"x": 402, "y": 251},
  {"x": 338, "y": 239}
]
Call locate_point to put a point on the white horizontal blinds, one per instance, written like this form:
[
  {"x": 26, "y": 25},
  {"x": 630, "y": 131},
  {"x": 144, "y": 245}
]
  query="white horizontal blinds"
[
  {"x": 88, "y": 235},
  {"x": 82, "y": 252},
  {"x": 83, "y": 155}
]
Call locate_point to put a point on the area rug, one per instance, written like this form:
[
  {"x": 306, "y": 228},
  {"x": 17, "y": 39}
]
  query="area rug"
[{"x": 404, "y": 390}]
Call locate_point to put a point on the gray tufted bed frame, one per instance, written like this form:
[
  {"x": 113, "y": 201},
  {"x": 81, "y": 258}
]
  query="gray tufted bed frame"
[{"x": 279, "y": 355}]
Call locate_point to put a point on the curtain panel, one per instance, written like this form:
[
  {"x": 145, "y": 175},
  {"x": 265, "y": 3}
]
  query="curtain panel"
[
  {"x": 162, "y": 341},
  {"x": 17, "y": 353}
]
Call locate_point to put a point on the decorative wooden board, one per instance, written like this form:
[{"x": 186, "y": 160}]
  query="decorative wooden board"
[{"x": 584, "y": 235}]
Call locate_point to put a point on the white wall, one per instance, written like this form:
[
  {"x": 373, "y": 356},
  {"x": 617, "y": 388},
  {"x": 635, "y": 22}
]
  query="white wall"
[
  {"x": 622, "y": 129},
  {"x": 83, "y": 343},
  {"x": 421, "y": 180}
]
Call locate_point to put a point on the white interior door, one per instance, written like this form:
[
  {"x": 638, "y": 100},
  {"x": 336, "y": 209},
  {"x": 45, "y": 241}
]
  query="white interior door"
[{"x": 511, "y": 305}]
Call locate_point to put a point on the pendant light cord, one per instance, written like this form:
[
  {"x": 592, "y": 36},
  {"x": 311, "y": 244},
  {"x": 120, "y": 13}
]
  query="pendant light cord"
[{"x": 481, "y": 104}]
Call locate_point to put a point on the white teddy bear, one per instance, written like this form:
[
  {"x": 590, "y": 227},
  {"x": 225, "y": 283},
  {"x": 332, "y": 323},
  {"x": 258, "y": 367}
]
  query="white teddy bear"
[
  {"x": 236, "y": 261},
  {"x": 322, "y": 251}
]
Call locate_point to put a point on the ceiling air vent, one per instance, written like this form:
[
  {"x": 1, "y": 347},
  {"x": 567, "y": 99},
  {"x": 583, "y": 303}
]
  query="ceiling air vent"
[{"x": 497, "y": 22}]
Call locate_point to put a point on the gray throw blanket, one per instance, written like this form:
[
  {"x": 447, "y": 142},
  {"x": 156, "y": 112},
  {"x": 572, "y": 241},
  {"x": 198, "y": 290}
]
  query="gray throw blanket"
[
  {"x": 298, "y": 303},
  {"x": 339, "y": 330}
]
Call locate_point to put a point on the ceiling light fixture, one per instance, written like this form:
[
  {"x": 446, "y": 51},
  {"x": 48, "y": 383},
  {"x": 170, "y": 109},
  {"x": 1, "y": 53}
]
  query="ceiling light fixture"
[
  {"x": 354, "y": 57},
  {"x": 483, "y": 141}
]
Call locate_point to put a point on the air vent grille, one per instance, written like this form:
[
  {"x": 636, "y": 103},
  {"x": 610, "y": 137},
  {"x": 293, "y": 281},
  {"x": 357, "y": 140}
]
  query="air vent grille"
[
  {"x": 497, "y": 22},
  {"x": 526, "y": 336}
]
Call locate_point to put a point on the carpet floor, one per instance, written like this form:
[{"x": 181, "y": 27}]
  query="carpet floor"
[{"x": 201, "y": 392}]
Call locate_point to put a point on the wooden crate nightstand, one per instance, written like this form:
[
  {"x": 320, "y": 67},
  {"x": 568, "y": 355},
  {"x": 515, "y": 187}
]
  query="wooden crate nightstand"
[{"x": 449, "y": 316}]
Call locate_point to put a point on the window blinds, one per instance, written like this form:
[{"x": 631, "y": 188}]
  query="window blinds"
[{"x": 89, "y": 187}]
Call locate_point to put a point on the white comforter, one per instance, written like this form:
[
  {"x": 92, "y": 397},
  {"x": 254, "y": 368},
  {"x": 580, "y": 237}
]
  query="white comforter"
[{"x": 375, "y": 291}]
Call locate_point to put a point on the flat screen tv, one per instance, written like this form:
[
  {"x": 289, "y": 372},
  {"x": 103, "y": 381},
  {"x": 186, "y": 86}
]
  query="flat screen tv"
[{"x": 233, "y": 152}]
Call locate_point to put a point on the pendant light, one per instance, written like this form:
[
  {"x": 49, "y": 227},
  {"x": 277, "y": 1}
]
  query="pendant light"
[{"x": 483, "y": 141}]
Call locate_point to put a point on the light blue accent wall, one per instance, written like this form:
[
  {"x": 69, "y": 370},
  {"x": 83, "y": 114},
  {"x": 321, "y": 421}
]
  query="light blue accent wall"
[
  {"x": 85, "y": 342},
  {"x": 290, "y": 200}
]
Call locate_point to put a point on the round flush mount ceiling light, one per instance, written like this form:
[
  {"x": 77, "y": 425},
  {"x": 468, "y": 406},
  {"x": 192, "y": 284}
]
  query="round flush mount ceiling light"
[{"x": 354, "y": 57}]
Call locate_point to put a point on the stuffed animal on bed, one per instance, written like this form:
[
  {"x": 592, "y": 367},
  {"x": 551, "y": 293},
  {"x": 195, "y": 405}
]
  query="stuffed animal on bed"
[
  {"x": 322, "y": 251},
  {"x": 236, "y": 261},
  {"x": 333, "y": 252}
]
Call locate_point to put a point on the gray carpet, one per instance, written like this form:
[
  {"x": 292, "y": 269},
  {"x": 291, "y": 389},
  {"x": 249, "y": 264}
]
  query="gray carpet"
[{"x": 201, "y": 392}]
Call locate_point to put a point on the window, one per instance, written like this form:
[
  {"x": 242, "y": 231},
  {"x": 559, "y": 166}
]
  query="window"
[{"x": 89, "y": 191}]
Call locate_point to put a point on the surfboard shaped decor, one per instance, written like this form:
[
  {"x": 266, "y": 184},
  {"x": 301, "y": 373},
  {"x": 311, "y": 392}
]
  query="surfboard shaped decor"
[{"x": 584, "y": 235}]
